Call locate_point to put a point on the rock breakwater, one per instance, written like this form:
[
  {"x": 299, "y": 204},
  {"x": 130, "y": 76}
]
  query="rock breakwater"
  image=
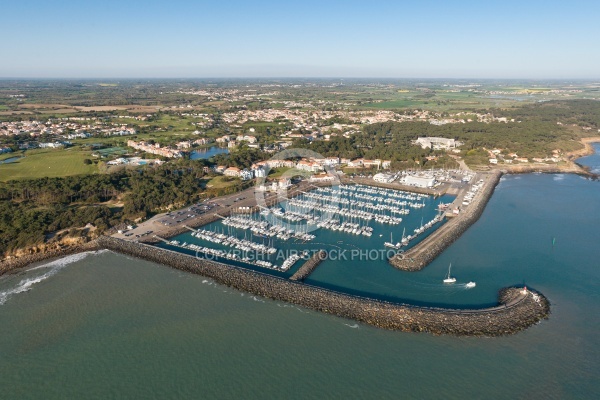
[
  {"x": 516, "y": 310},
  {"x": 433, "y": 245},
  {"x": 309, "y": 266}
]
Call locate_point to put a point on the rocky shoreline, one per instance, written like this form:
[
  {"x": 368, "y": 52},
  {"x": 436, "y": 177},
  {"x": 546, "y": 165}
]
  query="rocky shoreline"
[
  {"x": 433, "y": 245},
  {"x": 7, "y": 266},
  {"x": 515, "y": 311}
]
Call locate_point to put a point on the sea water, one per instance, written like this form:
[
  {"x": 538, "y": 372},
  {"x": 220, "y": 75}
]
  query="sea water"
[{"x": 104, "y": 325}]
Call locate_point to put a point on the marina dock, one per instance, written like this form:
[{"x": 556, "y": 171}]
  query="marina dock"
[{"x": 426, "y": 251}]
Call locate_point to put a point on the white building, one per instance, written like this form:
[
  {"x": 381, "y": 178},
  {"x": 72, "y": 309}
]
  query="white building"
[
  {"x": 437, "y": 143},
  {"x": 383, "y": 178},
  {"x": 322, "y": 178},
  {"x": 246, "y": 175},
  {"x": 232, "y": 171},
  {"x": 260, "y": 171},
  {"x": 55, "y": 145},
  {"x": 419, "y": 181}
]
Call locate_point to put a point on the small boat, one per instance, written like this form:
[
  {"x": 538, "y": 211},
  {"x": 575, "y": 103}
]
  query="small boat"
[
  {"x": 449, "y": 279},
  {"x": 390, "y": 243},
  {"x": 470, "y": 285}
]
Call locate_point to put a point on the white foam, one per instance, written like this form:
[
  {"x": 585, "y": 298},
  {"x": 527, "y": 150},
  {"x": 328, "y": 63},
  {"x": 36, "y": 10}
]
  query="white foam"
[
  {"x": 355, "y": 326},
  {"x": 25, "y": 284}
]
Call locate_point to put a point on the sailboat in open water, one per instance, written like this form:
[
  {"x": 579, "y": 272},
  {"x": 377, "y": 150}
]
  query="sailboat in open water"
[{"x": 449, "y": 278}]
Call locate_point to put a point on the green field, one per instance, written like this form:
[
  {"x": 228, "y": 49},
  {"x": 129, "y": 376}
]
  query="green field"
[
  {"x": 395, "y": 104},
  {"x": 48, "y": 163},
  {"x": 219, "y": 182},
  {"x": 10, "y": 155},
  {"x": 276, "y": 173}
]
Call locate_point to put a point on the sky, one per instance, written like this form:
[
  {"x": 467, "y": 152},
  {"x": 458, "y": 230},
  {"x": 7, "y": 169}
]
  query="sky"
[{"x": 370, "y": 38}]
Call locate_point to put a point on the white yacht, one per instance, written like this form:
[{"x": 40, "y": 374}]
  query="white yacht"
[{"x": 449, "y": 278}]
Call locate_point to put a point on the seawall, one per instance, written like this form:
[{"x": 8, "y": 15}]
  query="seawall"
[
  {"x": 515, "y": 311},
  {"x": 433, "y": 245}
]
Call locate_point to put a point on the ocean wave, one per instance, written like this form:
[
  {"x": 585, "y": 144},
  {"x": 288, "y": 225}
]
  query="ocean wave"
[{"x": 54, "y": 266}]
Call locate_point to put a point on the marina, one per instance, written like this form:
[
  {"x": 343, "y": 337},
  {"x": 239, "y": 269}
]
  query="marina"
[{"x": 348, "y": 222}]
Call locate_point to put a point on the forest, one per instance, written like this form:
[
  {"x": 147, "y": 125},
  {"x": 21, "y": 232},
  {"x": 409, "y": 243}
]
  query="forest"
[
  {"x": 30, "y": 210},
  {"x": 393, "y": 140}
]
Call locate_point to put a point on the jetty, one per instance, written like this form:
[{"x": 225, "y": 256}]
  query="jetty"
[
  {"x": 309, "y": 266},
  {"x": 433, "y": 245},
  {"x": 517, "y": 309}
]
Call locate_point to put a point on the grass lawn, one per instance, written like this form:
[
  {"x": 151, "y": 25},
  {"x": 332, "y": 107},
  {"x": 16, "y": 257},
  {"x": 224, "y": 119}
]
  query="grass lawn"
[
  {"x": 219, "y": 182},
  {"x": 276, "y": 173},
  {"x": 48, "y": 163},
  {"x": 11, "y": 155}
]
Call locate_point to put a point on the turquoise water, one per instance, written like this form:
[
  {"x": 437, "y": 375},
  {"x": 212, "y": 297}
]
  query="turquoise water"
[
  {"x": 207, "y": 152},
  {"x": 109, "y": 326}
]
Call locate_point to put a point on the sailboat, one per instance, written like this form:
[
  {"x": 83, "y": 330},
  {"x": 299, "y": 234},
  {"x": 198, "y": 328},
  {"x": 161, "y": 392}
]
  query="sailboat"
[
  {"x": 449, "y": 279},
  {"x": 390, "y": 243}
]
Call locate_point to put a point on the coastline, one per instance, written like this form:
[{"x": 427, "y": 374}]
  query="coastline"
[
  {"x": 7, "y": 266},
  {"x": 427, "y": 250},
  {"x": 515, "y": 311}
]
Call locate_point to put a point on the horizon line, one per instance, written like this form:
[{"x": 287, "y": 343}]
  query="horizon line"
[{"x": 290, "y": 77}]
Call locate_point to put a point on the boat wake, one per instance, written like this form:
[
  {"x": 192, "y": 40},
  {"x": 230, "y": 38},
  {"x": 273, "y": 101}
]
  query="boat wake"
[{"x": 53, "y": 267}]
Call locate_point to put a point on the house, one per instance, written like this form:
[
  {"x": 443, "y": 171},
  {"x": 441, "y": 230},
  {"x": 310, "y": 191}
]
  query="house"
[
  {"x": 493, "y": 161},
  {"x": 246, "y": 138},
  {"x": 186, "y": 144},
  {"x": 202, "y": 141},
  {"x": 53, "y": 145},
  {"x": 310, "y": 166},
  {"x": 246, "y": 174},
  {"x": 321, "y": 178},
  {"x": 260, "y": 171},
  {"x": 220, "y": 169},
  {"x": 358, "y": 163},
  {"x": 223, "y": 139},
  {"x": 233, "y": 171}
]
